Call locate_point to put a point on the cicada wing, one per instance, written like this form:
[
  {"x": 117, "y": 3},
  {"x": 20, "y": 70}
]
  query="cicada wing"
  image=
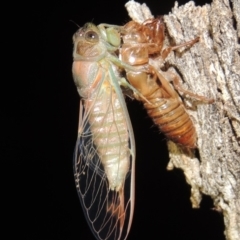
[{"x": 102, "y": 207}]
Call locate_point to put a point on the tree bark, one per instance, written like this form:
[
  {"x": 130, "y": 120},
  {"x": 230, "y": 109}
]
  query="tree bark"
[{"x": 210, "y": 68}]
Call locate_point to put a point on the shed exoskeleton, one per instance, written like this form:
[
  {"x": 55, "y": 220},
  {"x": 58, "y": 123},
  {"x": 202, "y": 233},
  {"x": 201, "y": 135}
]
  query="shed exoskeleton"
[{"x": 143, "y": 48}]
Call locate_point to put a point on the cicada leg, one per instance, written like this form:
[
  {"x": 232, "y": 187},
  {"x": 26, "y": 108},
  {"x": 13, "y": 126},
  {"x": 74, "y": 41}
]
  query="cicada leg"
[
  {"x": 177, "y": 85},
  {"x": 167, "y": 50}
]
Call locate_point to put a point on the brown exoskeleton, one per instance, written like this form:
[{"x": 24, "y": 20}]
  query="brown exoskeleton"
[{"x": 142, "y": 43}]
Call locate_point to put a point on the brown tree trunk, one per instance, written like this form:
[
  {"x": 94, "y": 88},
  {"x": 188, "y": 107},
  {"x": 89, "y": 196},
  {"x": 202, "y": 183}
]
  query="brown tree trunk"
[{"x": 210, "y": 68}]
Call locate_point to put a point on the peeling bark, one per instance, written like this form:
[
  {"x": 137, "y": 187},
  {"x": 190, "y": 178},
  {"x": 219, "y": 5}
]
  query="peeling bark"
[{"x": 210, "y": 68}]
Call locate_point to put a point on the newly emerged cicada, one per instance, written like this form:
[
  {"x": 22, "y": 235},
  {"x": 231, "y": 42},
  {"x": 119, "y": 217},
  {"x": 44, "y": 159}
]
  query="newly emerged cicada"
[
  {"x": 143, "y": 48},
  {"x": 104, "y": 161}
]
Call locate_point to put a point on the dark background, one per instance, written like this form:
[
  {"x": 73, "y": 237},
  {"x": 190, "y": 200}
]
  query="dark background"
[{"x": 41, "y": 110}]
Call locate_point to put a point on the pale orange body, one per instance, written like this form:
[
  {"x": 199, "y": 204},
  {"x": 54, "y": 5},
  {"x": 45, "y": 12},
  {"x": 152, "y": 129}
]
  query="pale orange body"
[{"x": 104, "y": 160}]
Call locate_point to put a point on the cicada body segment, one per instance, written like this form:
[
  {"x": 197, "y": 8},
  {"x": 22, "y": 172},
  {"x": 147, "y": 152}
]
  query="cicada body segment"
[
  {"x": 164, "y": 107},
  {"x": 104, "y": 160}
]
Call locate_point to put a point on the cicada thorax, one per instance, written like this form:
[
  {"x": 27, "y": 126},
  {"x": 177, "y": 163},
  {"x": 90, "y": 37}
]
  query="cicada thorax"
[
  {"x": 150, "y": 31},
  {"x": 105, "y": 151},
  {"x": 142, "y": 40},
  {"x": 140, "y": 45}
]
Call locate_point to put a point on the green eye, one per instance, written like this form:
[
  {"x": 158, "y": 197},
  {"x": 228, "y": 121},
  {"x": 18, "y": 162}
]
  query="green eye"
[{"x": 91, "y": 36}]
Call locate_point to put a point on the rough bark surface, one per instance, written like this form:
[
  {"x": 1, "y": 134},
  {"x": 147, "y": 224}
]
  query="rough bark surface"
[{"x": 210, "y": 68}]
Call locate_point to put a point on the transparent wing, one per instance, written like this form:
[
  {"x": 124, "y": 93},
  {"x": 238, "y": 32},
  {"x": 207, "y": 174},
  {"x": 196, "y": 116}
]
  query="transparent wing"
[{"x": 101, "y": 206}]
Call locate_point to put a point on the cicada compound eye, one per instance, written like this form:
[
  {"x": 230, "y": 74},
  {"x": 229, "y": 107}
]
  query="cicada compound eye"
[{"x": 91, "y": 36}]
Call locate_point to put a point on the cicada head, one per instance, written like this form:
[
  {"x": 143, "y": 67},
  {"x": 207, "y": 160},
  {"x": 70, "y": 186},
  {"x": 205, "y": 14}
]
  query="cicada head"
[
  {"x": 88, "y": 43},
  {"x": 91, "y": 42},
  {"x": 92, "y": 46}
]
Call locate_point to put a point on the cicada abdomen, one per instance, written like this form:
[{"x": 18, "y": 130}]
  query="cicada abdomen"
[
  {"x": 104, "y": 159},
  {"x": 143, "y": 47},
  {"x": 164, "y": 107}
]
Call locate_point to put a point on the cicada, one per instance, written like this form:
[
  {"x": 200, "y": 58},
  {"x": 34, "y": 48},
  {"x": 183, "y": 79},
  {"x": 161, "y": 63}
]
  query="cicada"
[
  {"x": 104, "y": 159},
  {"x": 143, "y": 47}
]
